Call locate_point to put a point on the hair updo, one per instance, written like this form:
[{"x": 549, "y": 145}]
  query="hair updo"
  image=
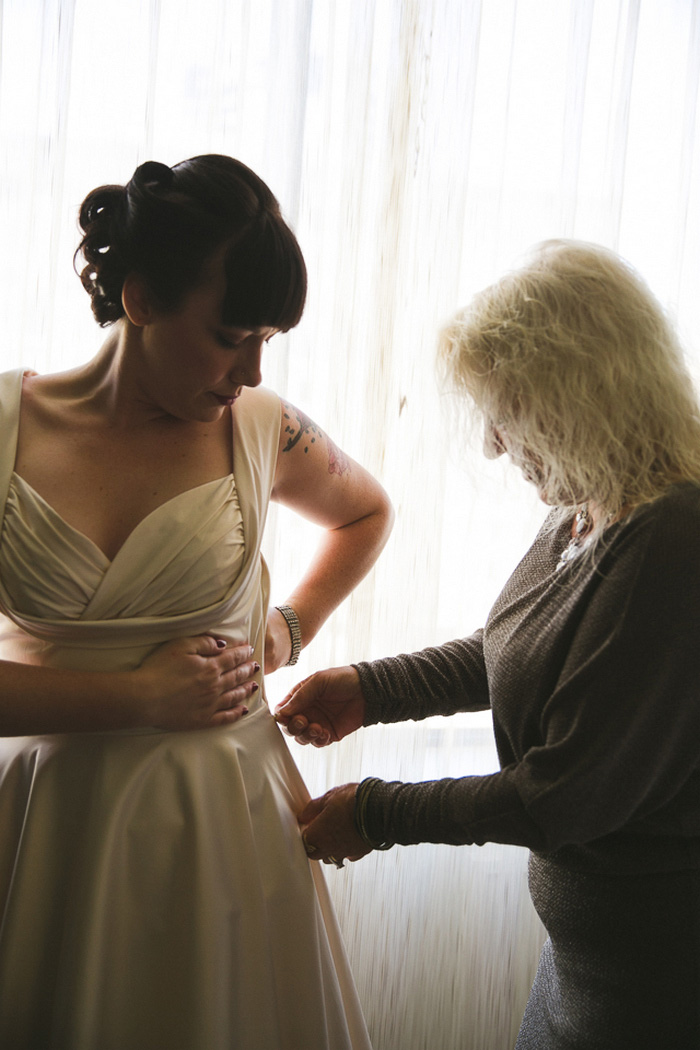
[{"x": 167, "y": 222}]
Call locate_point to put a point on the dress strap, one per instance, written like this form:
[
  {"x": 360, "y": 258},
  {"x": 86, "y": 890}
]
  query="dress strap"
[
  {"x": 256, "y": 426},
  {"x": 10, "y": 395}
]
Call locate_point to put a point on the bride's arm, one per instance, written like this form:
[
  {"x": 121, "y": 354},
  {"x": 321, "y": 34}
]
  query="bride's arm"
[
  {"x": 192, "y": 683},
  {"x": 317, "y": 480}
]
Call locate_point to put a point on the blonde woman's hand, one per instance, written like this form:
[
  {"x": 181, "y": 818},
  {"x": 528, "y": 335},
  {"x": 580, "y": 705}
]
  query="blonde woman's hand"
[
  {"x": 323, "y": 708},
  {"x": 196, "y": 683},
  {"x": 328, "y": 827}
]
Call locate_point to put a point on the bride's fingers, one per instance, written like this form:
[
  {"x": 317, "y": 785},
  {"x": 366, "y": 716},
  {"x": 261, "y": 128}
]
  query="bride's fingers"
[
  {"x": 233, "y": 696},
  {"x": 229, "y": 715},
  {"x": 240, "y": 695},
  {"x": 231, "y": 656},
  {"x": 234, "y": 655},
  {"x": 228, "y": 655},
  {"x": 238, "y": 674},
  {"x": 234, "y": 692},
  {"x": 210, "y": 645}
]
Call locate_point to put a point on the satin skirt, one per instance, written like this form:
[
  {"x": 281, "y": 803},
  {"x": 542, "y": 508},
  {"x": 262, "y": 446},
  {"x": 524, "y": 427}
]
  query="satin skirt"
[{"x": 157, "y": 896}]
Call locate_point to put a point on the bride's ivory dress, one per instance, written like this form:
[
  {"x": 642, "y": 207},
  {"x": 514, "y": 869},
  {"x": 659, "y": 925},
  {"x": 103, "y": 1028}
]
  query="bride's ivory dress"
[{"x": 154, "y": 890}]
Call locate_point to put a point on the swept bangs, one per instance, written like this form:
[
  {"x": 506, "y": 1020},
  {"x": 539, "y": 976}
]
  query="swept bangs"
[{"x": 265, "y": 277}]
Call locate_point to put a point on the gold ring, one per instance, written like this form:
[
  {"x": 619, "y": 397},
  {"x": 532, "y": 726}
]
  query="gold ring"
[
  {"x": 338, "y": 863},
  {"x": 308, "y": 847}
]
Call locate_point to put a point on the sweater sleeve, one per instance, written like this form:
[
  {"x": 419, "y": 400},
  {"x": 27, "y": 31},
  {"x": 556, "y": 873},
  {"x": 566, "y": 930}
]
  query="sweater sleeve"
[
  {"x": 441, "y": 680},
  {"x": 619, "y": 733}
]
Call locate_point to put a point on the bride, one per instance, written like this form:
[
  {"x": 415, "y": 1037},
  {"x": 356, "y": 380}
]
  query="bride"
[{"x": 154, "y": 888}]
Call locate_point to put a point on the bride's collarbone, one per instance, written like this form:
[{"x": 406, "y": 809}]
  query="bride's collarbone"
[
  {"x": 104, "y": 483},
  {"x": 161, "y": 453}
]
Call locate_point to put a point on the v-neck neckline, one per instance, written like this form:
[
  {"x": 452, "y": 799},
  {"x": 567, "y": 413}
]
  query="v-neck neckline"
[
  {"x": 78, "y": 532},
  {"x": 146, "y": 519}
]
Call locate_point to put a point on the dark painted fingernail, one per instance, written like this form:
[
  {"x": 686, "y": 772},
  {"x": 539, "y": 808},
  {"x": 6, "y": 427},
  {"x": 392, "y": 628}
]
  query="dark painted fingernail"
[
  {"x": 256, "y": 665},
  {"x": 244, "y": 710},
  {"x": 255, "y": 687},
  {"x": 221, "y": 643}
]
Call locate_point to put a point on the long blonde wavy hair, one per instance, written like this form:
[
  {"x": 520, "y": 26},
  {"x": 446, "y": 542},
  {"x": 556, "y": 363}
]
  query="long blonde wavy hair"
[{"x": 574, "y": 359}]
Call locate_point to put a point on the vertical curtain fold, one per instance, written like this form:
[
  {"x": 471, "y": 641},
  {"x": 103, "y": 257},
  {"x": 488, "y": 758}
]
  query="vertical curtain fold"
[
  {"x": 149, "y": 109},
  {"x": 628, "y": 24},
  {"x": 689, "y": 149},
  {"x": 577, "y": 65}
]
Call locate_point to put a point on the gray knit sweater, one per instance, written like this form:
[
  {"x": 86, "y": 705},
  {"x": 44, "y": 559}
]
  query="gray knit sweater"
[{"x": 593, "y": 677}]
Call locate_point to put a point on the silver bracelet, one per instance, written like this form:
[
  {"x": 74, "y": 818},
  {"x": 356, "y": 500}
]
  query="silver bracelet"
[
  {"x": 362, "y": 793},
  {"x": 295, "y": 631}
]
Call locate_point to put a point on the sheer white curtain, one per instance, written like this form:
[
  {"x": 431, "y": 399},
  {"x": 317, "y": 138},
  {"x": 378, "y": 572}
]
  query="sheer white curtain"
[{"x": 418, "y": 147}]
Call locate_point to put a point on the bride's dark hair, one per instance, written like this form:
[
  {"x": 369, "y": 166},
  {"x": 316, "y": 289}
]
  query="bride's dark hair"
[{"x": 167, "y": 222}]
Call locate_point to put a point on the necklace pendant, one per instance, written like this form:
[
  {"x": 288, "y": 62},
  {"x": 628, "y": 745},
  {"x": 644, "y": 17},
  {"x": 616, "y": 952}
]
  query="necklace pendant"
[
  {"x": 582, "y": 522},
  {"x": 567, "y": 554},
  {"x": 582, "y": 526}
]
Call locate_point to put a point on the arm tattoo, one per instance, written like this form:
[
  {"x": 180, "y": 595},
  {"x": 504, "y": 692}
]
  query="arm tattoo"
[
  {"x": 338, "y": 462},
  {"x": 298, "y": 426}
]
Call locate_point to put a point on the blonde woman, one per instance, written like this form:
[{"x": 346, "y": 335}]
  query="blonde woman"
[{"x": 589, "y": 659}]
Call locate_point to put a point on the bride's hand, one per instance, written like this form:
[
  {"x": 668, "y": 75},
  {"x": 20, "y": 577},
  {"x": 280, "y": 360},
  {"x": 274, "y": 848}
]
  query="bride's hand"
[{"x": 196, "y": 683}]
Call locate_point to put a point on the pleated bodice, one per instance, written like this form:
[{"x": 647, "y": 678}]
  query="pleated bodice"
[
  {"x": 191, "y": 566},
  {"x": 51, "y": 569}
]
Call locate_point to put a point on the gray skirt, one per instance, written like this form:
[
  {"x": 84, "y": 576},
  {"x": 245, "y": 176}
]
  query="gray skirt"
[{"x": 621, "y": 967}]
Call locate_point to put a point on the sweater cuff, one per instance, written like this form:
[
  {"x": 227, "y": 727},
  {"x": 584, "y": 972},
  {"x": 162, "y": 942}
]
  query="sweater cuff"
[{"x": 372, "y": 711}]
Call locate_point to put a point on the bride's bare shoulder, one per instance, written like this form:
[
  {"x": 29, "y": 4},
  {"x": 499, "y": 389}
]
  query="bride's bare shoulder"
[
  {"x": 52, "y": 385},
  {"x": 46, "y": 397}
]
